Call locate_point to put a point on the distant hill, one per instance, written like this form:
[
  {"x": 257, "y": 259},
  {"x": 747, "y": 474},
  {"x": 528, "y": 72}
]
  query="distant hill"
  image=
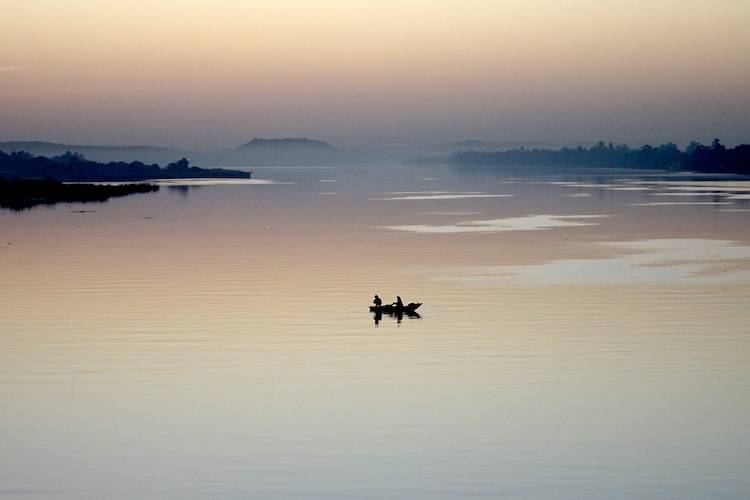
[
  {"x": 148, "y": 154},
  {"x": 287, "y": 144},
  {"x": 258, "y": 151},
  {"x": 288, "y": 151}
]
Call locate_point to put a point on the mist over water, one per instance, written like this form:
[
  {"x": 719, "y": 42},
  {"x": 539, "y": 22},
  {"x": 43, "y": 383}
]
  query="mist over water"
[{"x": 578, "y": 339}]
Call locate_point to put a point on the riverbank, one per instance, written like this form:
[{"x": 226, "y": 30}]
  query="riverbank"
[{"x": 24, "y": 194}]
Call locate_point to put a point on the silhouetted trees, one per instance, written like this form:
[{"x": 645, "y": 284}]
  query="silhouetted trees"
[
  {"x": 22, "y": 194},
  {"x": 715, "y": 158},
  {"x": 179, "y": 165},
  {"x": 73, "y": 167}
]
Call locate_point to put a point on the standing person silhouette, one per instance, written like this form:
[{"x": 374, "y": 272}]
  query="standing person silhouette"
[{"x": 377, "y": 301}]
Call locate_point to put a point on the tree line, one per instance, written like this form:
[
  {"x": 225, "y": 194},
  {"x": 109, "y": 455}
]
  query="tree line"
[
  {"x": 23, "y": 194},
  {"x": 74, "y": 167},
  {"x": 697, "y": 157}
]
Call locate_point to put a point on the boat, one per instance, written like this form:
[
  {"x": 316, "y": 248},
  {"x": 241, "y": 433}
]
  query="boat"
[{"x": 392, "y": 309}]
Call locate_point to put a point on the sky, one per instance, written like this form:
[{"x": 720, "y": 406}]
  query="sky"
[{"x": 211, "y": 74}]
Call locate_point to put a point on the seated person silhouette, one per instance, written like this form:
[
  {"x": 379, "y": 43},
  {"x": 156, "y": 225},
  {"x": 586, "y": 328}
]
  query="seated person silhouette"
[
  {"x": 377, "y": 301},
  {"x": 398, "y": 302}
]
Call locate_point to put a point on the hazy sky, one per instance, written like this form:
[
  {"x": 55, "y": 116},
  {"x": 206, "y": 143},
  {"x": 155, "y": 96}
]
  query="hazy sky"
[{"x": 200, "y": 73}]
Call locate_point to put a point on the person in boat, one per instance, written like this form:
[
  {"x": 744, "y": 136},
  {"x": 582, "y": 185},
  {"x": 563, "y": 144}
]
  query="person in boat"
[
  {"x": 377, "y": 301},
  {"x": 398, "y": 302}
]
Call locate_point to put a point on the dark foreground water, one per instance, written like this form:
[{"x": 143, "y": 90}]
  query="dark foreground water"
[{"x": 582, "y": 336}]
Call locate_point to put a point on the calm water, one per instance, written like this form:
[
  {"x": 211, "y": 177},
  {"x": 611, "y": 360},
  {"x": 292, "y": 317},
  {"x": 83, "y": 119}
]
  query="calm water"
[{"x": 582, "y": 336}]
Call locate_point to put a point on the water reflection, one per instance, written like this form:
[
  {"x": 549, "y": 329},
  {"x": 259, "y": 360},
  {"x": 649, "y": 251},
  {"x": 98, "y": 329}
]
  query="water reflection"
[
  {"x": 150, "y": 357},
  {"x": 397, "y": 314},
  {"x": 527, "y": 223},
  {"x": 665, "y": 262},
  {"x": 182, "y": 189}
]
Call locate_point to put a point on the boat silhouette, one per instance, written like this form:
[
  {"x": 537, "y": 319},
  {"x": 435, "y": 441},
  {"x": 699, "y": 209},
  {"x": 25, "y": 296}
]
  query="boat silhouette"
[{"x": 394, "y": 309}]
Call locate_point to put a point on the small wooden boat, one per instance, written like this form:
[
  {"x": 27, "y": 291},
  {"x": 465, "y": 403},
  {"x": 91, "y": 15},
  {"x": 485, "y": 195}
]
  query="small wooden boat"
[{"x": 392, "y": 309}]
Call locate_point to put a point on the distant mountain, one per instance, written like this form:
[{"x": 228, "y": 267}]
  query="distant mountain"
[
  {"x": 287, "y": 151},
  {"x": 148, "y": 154},
  {"x": 287, "y": 144},
  {"x": 259, "y": 151},
  {"x": 50, "y": 146}
]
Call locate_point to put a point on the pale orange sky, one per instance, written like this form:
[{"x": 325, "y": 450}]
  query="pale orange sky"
[{"x": 197, "y": 73}]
